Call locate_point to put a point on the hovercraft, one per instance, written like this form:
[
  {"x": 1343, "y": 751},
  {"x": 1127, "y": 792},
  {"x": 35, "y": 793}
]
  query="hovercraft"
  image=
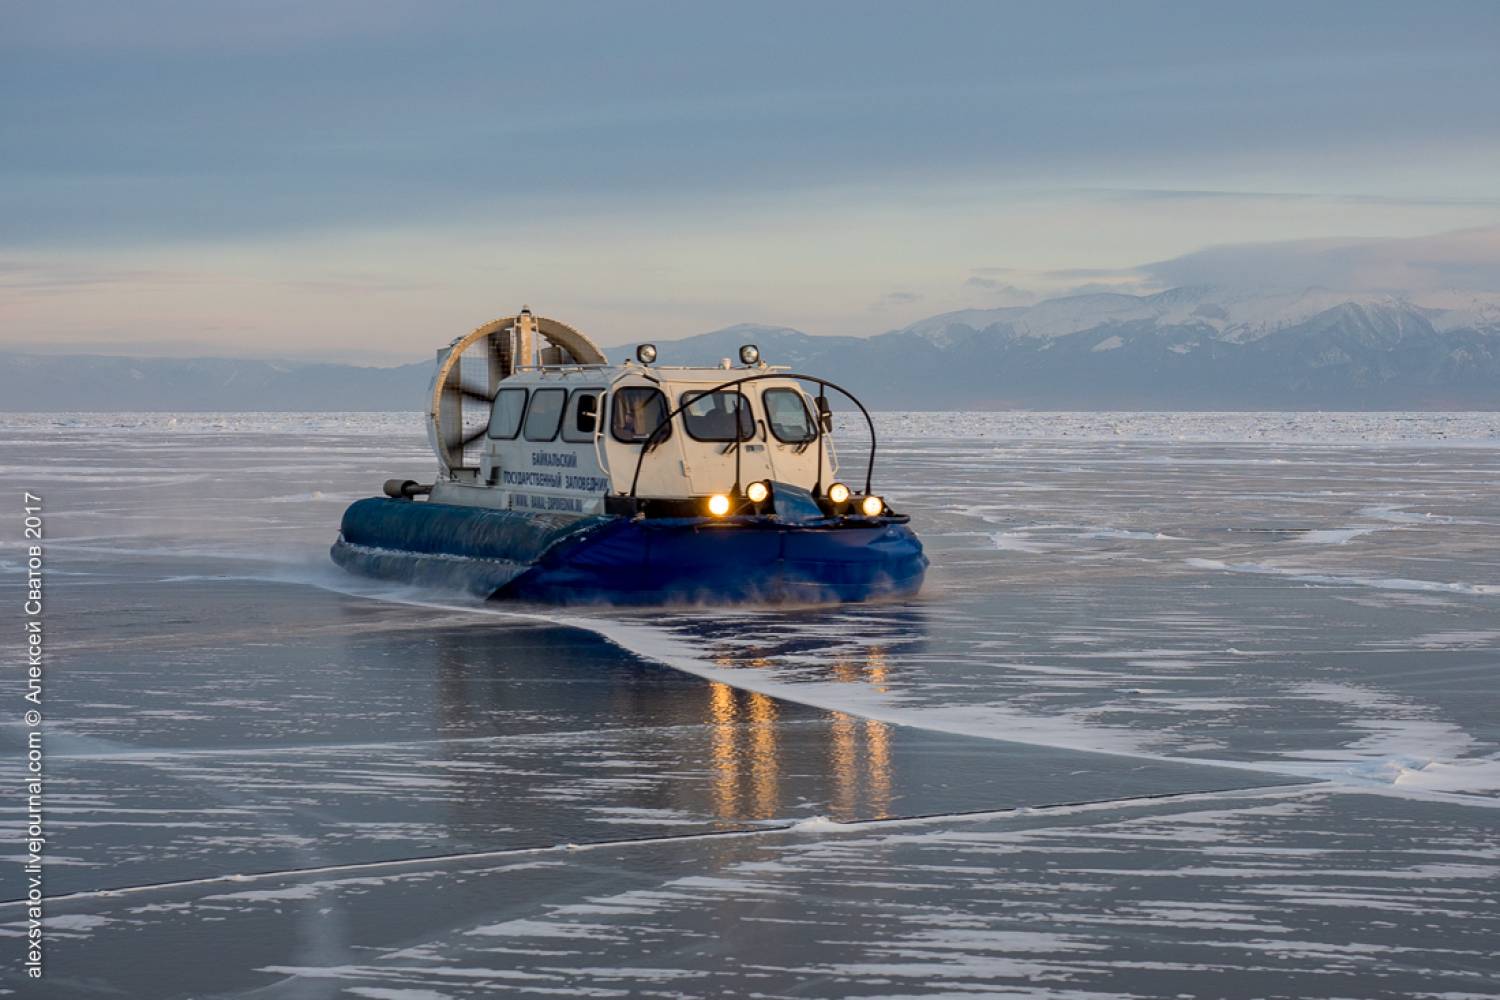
[{"x": 564, "y": 478}]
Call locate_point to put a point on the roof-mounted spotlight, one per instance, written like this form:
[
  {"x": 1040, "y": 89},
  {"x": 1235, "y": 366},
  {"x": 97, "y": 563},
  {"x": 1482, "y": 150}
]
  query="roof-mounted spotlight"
[
  {"x": 749, "y": 354},
  {"x": 646, "y": 353}
]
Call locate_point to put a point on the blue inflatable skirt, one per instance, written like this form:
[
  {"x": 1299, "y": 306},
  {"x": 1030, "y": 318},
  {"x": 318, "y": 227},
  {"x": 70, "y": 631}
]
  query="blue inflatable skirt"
[{"x": 623, "y": 560}]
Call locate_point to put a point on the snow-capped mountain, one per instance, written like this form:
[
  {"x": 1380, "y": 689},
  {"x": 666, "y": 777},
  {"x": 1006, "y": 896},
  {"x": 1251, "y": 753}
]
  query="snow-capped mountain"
[
  {"x": 1195, "y": 347},
  {"x": 1187, "y": 348},
  {"x": 1233, "y": 315}
]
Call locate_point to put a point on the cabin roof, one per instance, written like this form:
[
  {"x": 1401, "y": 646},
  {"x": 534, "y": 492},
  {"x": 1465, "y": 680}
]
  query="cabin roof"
[{"x": 661, "y": 374}]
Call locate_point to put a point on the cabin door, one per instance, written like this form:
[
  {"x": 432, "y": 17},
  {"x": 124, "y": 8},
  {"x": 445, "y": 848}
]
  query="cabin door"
[
  {"x": 716, "y": 441},
  {"x": 756, "y": 463},
  {"x": 790, "y": 436}
]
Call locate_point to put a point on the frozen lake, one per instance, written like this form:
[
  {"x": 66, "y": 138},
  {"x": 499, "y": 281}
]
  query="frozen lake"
[{"x": 1192, "y": 705}]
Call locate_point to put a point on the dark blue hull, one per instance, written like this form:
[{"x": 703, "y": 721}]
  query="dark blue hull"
[{"x": 621, "y": 560}]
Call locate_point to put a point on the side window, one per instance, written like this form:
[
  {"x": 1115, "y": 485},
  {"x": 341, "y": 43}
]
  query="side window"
[
  {"x": 583, "y": 415},
  {"x": 544, "y": 415},
  {"x": 711, "y": 416},
  {"x": 786, "y": 412},
  {"x": 505, "y": 418},
  {"x": 637, "y": 411}
]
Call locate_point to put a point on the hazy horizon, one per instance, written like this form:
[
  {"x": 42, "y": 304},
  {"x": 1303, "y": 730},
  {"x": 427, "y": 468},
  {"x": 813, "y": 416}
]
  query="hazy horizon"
[{"x": 1455, "y": 270}]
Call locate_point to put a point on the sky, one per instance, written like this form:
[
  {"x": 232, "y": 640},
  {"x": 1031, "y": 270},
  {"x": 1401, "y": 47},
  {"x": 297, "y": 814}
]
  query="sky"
[{"x": 363, "y": 181}]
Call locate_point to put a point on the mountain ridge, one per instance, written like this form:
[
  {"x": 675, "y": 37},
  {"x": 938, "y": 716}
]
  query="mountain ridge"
[{"x": 1193, "y": 347}]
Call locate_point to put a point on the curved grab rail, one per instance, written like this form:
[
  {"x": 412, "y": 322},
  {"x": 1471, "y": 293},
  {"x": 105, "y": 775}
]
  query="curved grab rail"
[{"x": 824, "y": 385}]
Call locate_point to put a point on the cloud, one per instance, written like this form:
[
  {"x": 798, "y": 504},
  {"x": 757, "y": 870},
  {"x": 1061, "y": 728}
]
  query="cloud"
[
  {"x": 1026, "y": 288},
  {"x": 1002, "y": 292},
  {"x": 160, "y": 121},
  {"x": 1466, "y": 260},
  {"x": 45, "y": 277},
  {"x": 1094, "y": 273},
  {"x": 1444, "y": 269},
  {"x": 158, "y": 26},
  {"x": 897, "y": 299},
  {"x": 359, "y": 282},
  {"x": 1149, "y": 195},
  {"x": 1103, "y": 288}
]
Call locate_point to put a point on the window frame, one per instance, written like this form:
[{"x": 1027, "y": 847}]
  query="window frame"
[
  {"x": 812, "y": 421},
  {"x": 562, "y": 411},
  {"x": 569, "y": 427},
  {"x": 690, "y": 396},
  {"x": 520, "y": 421},
  {"x": 614, "y": 400}
]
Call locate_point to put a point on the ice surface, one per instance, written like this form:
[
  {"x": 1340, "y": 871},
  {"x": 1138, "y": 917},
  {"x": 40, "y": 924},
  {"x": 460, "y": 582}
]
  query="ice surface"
[{"x": 285, "y": 781}]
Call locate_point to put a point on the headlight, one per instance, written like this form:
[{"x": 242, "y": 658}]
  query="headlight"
[
  {"x": 757, "y": 492},
  {"x": 718, "y": 505},
  {"x": 646, "y": 353},
  {"x": 838, "y": 493},
  {"x": 749, "y": 354},
  {"x": 871, "y": 506}
]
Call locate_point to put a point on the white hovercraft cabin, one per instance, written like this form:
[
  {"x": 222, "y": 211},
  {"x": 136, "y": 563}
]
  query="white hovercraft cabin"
[{"x": 559, "y": 430}]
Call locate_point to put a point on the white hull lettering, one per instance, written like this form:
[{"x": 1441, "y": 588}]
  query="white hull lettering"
[{"x": 555, "y": 459}]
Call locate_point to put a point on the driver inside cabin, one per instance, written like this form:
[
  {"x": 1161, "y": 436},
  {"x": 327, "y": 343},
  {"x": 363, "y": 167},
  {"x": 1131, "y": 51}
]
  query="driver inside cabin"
[
  {"x": 712, "y": 417},
  {"x": 636, "y": 413}
]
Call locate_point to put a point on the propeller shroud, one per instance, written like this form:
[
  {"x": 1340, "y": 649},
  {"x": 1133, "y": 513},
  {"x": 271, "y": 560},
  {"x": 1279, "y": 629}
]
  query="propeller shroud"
[{"x": 468, "y": 376}]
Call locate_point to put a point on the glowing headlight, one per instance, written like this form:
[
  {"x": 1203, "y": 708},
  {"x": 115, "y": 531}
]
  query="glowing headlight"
[
  {"x": 646, "y": 353},
  {"x": 838, "y": 493},
  {"x": 718, "y": 505},
  {"x": 871, "y": 506},
  {"x": 749, "y": 354},
  {"x": 757, "y": 492}
]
